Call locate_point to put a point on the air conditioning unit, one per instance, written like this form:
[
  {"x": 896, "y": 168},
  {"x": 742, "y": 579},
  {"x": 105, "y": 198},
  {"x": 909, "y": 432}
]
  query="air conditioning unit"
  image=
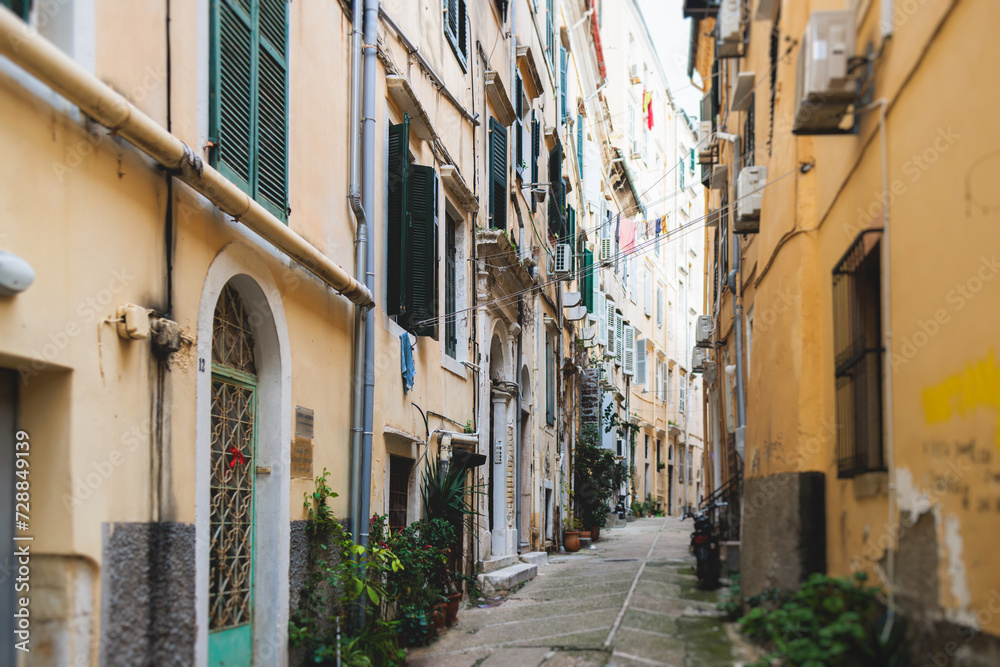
[
  {"x": 633, "y": 73},
  {"x": 706, "y": 142},
  {"x": 824, "y": 86},
  {"x": 606, "y": 251},
  {"x": 703, "y": 331},
  {"x": 564, "y": 258},
  {"x": 636, "y": 149},
  {"x": 730, "y": 29},
  {"x": 698, "y": 358},
  {"x": 750, "y": 194}
]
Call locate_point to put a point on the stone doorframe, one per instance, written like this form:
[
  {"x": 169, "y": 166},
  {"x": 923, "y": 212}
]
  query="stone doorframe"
[{"x": 243, "y": 266}]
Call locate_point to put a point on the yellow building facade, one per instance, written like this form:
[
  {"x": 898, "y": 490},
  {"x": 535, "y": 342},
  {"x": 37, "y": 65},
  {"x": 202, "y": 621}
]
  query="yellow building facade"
[{"x": 864, "y": 302}]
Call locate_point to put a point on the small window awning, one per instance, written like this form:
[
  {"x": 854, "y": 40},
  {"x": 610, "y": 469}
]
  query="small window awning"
[
  {"x": 459, "y": 189},
  {"x": 499, "y": 100},
  {"x": 402, "y": 94},
  {"x": 529, "y": 71},
  {"x": 466, "y": 459}
]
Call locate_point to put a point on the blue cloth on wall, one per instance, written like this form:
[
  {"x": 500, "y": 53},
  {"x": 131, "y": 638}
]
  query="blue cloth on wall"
[{"x": 406, "y": 361}]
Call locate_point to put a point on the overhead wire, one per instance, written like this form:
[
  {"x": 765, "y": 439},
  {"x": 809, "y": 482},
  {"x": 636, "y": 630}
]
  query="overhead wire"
[{"x": 636, "y": 250}]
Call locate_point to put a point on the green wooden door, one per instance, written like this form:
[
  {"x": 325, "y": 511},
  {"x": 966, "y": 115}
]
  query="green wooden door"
[{"x": 234, "y": 467}]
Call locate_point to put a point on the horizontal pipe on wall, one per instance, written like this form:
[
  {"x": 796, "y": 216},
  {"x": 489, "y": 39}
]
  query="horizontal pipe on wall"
[{"x": 43, "y": 60}]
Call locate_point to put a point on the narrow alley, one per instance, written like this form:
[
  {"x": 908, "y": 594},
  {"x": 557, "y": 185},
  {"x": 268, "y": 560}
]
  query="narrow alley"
[{"x": 631, "y": 600}]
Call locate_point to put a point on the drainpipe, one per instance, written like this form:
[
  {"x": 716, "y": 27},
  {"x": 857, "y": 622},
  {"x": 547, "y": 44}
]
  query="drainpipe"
[
  {"x": 354, "y": 196},
  {"x": 368, "y": 202},
  {"x": 737, "y": 289},
  {"x": 47, "y": 63}
]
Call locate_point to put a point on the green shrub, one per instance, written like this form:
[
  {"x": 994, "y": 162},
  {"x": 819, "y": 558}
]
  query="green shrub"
[{"x": 826, "y": 622}]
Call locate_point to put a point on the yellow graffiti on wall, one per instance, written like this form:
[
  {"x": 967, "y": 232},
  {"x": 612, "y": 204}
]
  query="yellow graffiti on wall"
[{"x": 977, "y": 386}]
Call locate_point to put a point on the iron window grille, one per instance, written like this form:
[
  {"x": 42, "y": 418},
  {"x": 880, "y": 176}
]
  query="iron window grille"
[
  {"x": 399, "y": 483},
  {"x": 857, "y": 335}
]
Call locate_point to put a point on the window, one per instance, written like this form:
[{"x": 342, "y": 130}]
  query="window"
[
  {"x": 450, "y": 288},
  {"x": 501, "y": 6},
  {"x": 249, "y": 98},
  {"x": 550, "y": 33},
  {"x": 659, "y": 306},
  {"x": 498, "y": 175},
  {"x": 455, "y": 30},
  {"x": 519, "y": 127},
  {"x": 557, "y": 193},
  {"x": 680, "y": 174},
  {"x": 659, "y": 452},
  {"x": 680, "y": 464},
  {"x": 857, "y": 339},
  {"x": 646, "y": 437},
  {"x": 691, "y": 161},
  {"x": 668, "y": 394},
  {"x": 562, "y": 84},
  {"x": 20, "y": 7},
  {"x": 536, "y": 144},
  {"x": 550, "y": 380},
  {"x": 749, "y": 135},
  {"x": 411, "y": 237},
  {"x": 399, "y": 486},
  {"x": 681, "y": 393},
  {"x": 690, "y": 458}
]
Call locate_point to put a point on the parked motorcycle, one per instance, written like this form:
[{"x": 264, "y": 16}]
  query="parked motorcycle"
[{"x": 705, "y": 547}]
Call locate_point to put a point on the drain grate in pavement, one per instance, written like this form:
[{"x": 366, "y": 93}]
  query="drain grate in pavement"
[{"x": 604, "y": 561}]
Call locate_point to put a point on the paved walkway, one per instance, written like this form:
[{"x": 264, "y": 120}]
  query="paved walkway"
[{"x": 632, "y": 600}]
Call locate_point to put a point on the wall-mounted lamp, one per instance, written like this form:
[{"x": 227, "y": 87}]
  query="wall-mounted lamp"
[{"x": 16, "y": 275}]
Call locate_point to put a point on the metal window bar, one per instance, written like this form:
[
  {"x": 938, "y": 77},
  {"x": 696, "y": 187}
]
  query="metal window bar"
[
  {"x": 857, "y": 301},
  {"x": 749, "y": 135},
  {"x": 399, "y": 482}
]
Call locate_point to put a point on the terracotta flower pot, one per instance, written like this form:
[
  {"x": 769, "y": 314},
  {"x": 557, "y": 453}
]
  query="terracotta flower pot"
[
  {"x": 454, "y": 600},
  {"x": 438, "y": 617},
  {"x": 571, "y": 540},
  {"x": 595, "y": 532}
]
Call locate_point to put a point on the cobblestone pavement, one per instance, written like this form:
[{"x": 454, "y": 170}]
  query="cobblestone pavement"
[{"x": 631, "y": 600}]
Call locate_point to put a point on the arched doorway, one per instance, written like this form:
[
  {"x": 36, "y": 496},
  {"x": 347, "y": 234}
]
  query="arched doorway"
[
  {"x": 224, "y": 374},
  {"x": 233, "y": 473}
]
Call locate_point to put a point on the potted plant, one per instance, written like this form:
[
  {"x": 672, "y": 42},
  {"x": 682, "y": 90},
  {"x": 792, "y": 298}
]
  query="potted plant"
[{"x": 571, "y": 535}]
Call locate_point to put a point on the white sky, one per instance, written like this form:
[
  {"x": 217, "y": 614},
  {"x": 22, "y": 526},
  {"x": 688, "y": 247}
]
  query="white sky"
[{"x": 671, "y": 34}]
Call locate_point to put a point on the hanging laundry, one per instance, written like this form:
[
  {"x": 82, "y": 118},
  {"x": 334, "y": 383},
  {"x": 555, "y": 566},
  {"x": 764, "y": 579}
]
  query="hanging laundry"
[
  {"x": 407, "y": 368},
  {"x": 646, "y": 99},
  {"x": 627, "y": 235},
  {"x": 649, "y": 113}
]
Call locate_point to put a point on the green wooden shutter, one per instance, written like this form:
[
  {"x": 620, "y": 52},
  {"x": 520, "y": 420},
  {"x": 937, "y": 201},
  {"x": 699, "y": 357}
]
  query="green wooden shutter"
[
  {"x": 550, "y": 389},
  {"x": 571, "y": 232},
  {"x": 519, "y": 126},
  {"x": 536, "y": 141},
  {"x": 498, "y": 175},
  {"x": 450, "y": 283},
  {"x": 20, "y": 7},
  {"x": 555, "y": 186},
  {"x": 272, "y": 107},
  {"x": 587, "y": 280},
  {"x": 397, "y": 187},
  {"x": 420, "y": 265},
  {"x": 562, "y": 83},
  {"x": 550, "y": 34},
  {"x": 232, "y": 98},
  {"x": 579, "y": 143}
]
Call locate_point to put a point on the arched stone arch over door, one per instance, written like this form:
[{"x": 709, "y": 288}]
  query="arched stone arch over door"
[{"x": 243, "y": 426}]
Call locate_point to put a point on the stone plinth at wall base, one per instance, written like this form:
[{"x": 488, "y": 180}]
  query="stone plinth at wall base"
[
  {"x": 507, "y": 578},
  {"x": 585, "y": 542},
  {"x": 783, "y": 533},
  {"x": 535, "y": 558},
  {"x": 731, "y": 559}
]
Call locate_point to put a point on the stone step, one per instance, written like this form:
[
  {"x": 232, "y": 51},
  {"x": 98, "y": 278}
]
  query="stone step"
[
  {"x": 497, "y": 563},
  {"x": 535, "y": 558},
  {"x": 507, "y": 578}
]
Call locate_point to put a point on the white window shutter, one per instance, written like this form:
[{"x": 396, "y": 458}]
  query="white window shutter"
[
  {"x": 640, "y": 361},
  {"x": 629, "y": 361},
  {"x": 619, "y": 337},
  {"x": 612, "y": 326},
  {"x": 602, "y": 318},
  {"x": 648, "y": 282}
]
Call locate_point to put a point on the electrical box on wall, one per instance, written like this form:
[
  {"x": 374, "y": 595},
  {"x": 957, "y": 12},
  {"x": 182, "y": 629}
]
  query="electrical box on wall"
[
  {"x": 705, "y": 141},
  {"x": 825, "y": 88},
  {"x": 750, "y": 193},
  {"x": 703, "y": 331}
]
